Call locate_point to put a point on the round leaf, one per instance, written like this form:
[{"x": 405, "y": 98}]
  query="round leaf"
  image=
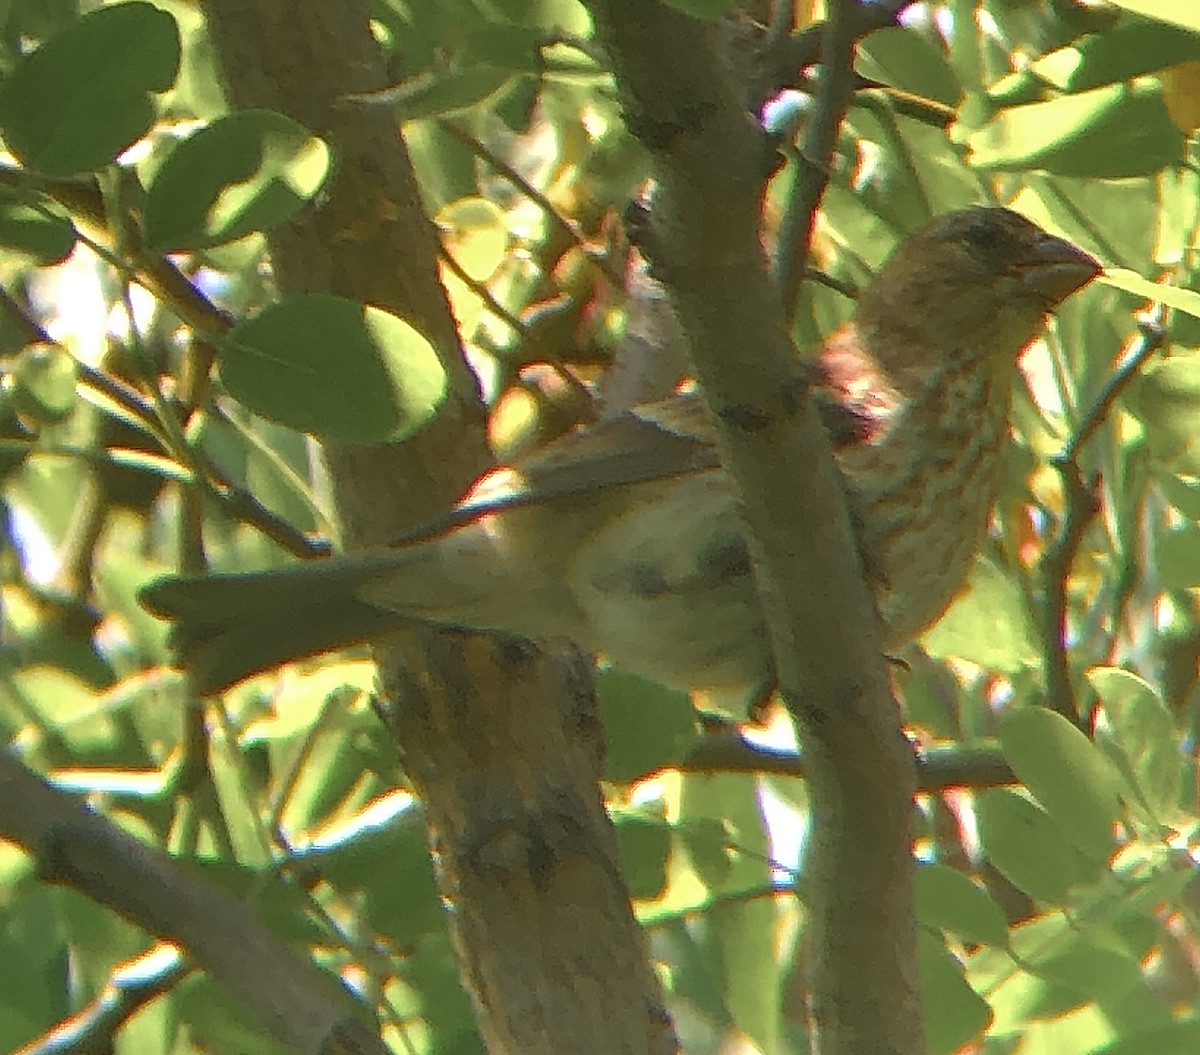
[
  {"x": 44, "y": 383},
  {"x": 476, "y": 235},
  {"x": 84, "y": 96},
  {"x": 339, "y": 370},
  {"x": 644, "y": 845},
  {"x": 246, "y": 172},
  {"x": 647, "y": 726}
]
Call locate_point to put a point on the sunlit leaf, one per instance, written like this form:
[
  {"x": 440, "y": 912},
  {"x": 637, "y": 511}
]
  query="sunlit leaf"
[
  {"x": 948, "y": 900},
  {"x": 954, "y": 1013},
  {"x": 249, "y": 171},
  {"x": 1117, "y": 131},
  {"x": 1067, "y": 774},
  {"x": 1025, "y": 844},
  {"x": 1171, "y": 11}
]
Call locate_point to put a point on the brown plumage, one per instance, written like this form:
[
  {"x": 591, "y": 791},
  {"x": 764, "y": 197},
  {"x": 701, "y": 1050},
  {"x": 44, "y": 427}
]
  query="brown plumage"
[{"x": 625, "y": 536}]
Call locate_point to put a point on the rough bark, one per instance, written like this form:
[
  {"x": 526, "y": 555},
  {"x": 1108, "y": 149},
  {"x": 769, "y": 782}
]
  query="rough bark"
[
  {"x": 711, "y": 161},
  {"x": 499, "y": 740}
]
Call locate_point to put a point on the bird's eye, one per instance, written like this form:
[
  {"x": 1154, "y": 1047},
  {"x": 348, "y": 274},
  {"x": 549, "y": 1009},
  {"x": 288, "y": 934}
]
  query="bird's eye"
[{"x": 986, "y": 237}]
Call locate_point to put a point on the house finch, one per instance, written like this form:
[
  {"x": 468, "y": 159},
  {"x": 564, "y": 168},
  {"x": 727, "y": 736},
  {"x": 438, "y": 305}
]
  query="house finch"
[{"x": 625, "y": 536}]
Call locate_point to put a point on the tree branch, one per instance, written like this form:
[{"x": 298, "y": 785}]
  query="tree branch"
[
  {"x": 711, "y": 159},
  {"x": 496, "y": 739},
  {"x": 302, "y": 1006},
  {"x": 1080, "y": 508}
]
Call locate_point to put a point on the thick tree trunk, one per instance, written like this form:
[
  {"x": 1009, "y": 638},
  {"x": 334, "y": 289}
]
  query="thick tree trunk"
[{"x": 500, "y": 741}]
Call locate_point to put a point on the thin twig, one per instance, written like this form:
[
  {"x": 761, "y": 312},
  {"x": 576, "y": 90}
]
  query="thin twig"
[
  {"x": 812, "y": 174},
  {"x": 725, "y": 750},
  {"x": 791, "y": 57},
  {"x": 1081, "y": 505},
  {"x": 481, "y": 290},
  {"x": 567, "y": 227},
  {"x": 130, "y": 988}
]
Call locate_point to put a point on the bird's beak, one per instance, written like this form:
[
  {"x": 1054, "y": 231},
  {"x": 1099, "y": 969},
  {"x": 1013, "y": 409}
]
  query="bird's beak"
[{"x": 1056, "y": 269}]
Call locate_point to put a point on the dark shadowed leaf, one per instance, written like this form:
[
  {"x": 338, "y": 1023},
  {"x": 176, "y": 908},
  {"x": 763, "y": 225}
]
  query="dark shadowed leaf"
[
  {"x": 644, "y": 844},
  {"x": 80, "y": 99},
  {"x": 38, "y": 236},
  {"x": 647, "y": 725}
]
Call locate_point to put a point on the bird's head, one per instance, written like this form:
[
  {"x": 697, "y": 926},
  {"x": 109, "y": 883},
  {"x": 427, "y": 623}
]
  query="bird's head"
[{"x": 979, "y": 282}]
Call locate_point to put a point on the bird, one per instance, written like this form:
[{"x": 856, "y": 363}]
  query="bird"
[{"x": 625, "y": 536}]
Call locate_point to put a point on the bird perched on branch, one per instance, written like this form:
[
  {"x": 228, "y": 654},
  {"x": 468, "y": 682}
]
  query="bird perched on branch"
[{"x": 625, "y": 536}]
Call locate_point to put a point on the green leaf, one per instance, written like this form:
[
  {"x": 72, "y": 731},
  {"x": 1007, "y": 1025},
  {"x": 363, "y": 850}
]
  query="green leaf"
[
  {"x": 988, "y": 624},
  {"x": 447, "y": 93},
  {"x": 1131, "y": 48},
  {"x": 948, "y": 900},
  {"x": 339, "y": 370},
  {"x": 475, "y": 235},
  {"x": 1183, "y": 299},
  {"x": 44, "y": 383},
  {"x": 1178, "y": 1036},
  {"x": 1028, "y": 848},
  {"x": 1067, "y": 774},
  {"x": 741, "y": 946},
  {"x": 644, "y": 846},
  {"x": 42, "y": 238},
  {"x": 1112, "y": 132},
  {"x": 909, "y": 60},
  {"x": 1165, "y": 397},
  {"x": 954, "y": 1013},
  {"x": 1177, "y": 557},
  {"x": 1170, "y": 11},
  {"x": 84, "y": 96},
  {"x": 1143, "y": 730},
  {"x": 646, "y": 725},
  {"x": 386, "y": 864},
  {"x": 1091, "y": 970},
  {"x": 249, "y": 171},
  {"x": 1183, "y": 492}
]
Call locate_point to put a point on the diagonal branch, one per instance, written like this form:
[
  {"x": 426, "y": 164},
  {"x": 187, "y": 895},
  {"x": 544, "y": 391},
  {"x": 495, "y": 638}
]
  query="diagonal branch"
[{"x": 303, "y": 1007}]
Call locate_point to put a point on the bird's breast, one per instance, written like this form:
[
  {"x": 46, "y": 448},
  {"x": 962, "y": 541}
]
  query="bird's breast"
[{"x": 921, "y": 494}]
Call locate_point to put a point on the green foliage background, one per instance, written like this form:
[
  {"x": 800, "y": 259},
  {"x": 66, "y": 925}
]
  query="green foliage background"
[{"x": 1057, "y": 914}]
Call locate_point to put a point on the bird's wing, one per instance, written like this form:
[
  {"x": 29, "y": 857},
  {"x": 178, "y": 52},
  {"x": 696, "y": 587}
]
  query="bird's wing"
[{"x": 651, "y": 441}]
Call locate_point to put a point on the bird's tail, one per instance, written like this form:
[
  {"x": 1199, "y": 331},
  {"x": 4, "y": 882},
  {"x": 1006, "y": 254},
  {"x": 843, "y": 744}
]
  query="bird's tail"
[{"x": 227, "y": 627}]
